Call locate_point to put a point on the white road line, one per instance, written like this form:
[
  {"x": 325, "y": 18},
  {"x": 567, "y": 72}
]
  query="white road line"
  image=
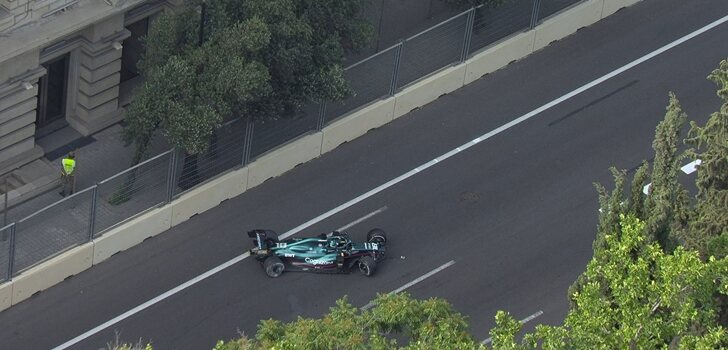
[
  {"x": 401, "y": 178},
  {"x": 415, "y": 281},
  {"x": 523, "y": 321},
  {"x": 365, "y": 217},
  {"x": 151, "y": 302},
  {"x": 691, "y": 167}
]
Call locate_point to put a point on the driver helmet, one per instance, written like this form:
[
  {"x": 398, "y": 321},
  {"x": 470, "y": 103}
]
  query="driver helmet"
[{"x": 333, "y": 242}]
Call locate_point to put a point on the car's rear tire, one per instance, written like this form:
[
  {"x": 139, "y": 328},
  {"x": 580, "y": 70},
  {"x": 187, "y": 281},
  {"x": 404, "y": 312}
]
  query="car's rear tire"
[
  {"x": 273, "y": 266},
  {"x": 367, "y": 266},
  {"x": 377, "y": 236}
]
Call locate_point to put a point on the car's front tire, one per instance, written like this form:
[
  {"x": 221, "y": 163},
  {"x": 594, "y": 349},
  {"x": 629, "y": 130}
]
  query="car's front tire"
[
  {"x": 273, "y": 266},
  {"x": 377, "y": 236},
  {"x": 367, "y": 266}
]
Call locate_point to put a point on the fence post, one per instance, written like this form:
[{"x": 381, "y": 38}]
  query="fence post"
[
  {"x": 5, "y": 203},
  {"x": 395, "y": 73},
  {"x": 11, "y": 251},
  {"x": 171, "y": 174},
  {"x": 247, "y": 140},
  {"x": 92, "y": 216},
  {"x": 469, "y": 24},
  {"x": 534, "y": 13},
  {"x": 322, "y": 116}
]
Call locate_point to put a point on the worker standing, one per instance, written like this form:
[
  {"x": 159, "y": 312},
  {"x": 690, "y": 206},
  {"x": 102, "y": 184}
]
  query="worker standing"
[{"x": 68, "y": 173}]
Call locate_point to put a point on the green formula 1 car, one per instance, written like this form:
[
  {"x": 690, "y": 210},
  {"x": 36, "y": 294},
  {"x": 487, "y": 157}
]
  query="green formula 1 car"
[{"x": 332, "y": 253}]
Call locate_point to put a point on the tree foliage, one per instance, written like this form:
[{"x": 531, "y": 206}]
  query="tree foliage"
[
  {"x": 637, "y": 297},
  {"x": 418, "y": 324},
  {"x": 709, "y": 225},
  {"x": 668, "y": 201},
  {"x": 240, "y": 59}
]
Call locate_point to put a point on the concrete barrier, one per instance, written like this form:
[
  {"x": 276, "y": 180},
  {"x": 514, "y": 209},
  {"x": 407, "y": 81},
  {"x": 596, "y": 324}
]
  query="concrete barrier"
[
  {"x": 209, "y": 195},
  {"x": 612, "y": 6},
  {"x": 6, "y": 295},
  {"x": 52, "y": 272},
  {"x": 499, "y": 55},
  {"x": 429, "y": 89},
  {"x": 357, "y": 123},
  {"x": 567, "y": 22},
  {"x": 132, "y": 233},
  {"x": 284, "y": 158}
]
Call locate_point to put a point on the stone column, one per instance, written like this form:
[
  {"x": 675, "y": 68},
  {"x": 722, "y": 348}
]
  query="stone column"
[
  {"x": 98, "y": 66},
  {"x": 18, "y": 101}
]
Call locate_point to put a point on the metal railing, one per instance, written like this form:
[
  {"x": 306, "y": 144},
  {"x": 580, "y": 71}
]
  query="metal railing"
[{"x": 90, "y": 213}]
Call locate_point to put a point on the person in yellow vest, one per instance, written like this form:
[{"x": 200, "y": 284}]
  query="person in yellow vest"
[{"x": 68, "y": 173}]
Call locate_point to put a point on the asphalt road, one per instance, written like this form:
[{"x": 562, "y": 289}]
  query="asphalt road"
[{"x": 516, "y": 213}]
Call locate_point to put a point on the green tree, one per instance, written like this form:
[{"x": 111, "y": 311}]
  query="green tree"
[
  {"x": 420, "y": 324},
  {"x": 653, "y": 300},
  {"x": 668, "y": 201},
  {"x": 309, "y": 39},
  {"x": 216, "y": 60},
  {"x": 709, "y": 226}
]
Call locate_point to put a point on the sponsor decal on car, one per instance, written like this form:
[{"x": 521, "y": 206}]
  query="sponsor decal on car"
[
  {"x": 318, "y": 261},
  {"x": 372, "y": 246}
]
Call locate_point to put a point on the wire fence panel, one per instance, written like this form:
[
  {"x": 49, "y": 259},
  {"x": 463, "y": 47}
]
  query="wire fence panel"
[
  {"x": 52, "y": 230},
  {"x": 432, "y": 50},
  {"x": 268, "y": 134},
  {"x": 5, "y": 254},
  {"x": 550, "y": 7},
  {"x": 492, "y": 24},
  {"x": 30, "y": 206},
  {"x": 131, "y": 192},
  {"x": 224, "y": 153},
  {"x": 369, "y": 79}
]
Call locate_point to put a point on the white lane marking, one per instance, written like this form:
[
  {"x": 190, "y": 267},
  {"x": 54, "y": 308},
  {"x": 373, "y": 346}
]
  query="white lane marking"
[
  {"x": 153, "y": 301},
  {"x": 365, "y": 217},
  {"x": 691, "y": 167},
  {"x": 408, "y": 174},
  {"x": 415, "y": 281},
  {"x": 523, "y": 321}
]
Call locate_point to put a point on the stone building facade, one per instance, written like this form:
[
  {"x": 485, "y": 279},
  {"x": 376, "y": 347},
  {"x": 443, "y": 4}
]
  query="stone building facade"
[{"x": 63, "y": 63}]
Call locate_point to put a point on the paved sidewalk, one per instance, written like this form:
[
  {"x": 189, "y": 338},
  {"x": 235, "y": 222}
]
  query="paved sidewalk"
[
  {"x": 45, "y": 227},
  {"x": 98, "y": 156}
]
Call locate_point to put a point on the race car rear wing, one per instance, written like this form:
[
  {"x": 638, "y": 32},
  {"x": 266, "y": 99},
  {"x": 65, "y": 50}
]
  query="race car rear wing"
[{"x": 261, "y": 236}]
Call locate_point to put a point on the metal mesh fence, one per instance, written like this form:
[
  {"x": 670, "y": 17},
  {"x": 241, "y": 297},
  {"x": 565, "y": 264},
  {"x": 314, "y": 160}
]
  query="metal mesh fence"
[
  {"x": 370, "y": 79},
  {"x": 131, "y": 192},
  {"x": 432, "y": 49},
  {"x": 5, "y": 253},
  {"x": 30, "y": 206},
  {"x": 271, "y": 133},
  {"x": 550, "y": 7},
  {"x": 52, "y": 230},
  {"x": 493, "y": 24},
  {"x": 224, "y": 153}
]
